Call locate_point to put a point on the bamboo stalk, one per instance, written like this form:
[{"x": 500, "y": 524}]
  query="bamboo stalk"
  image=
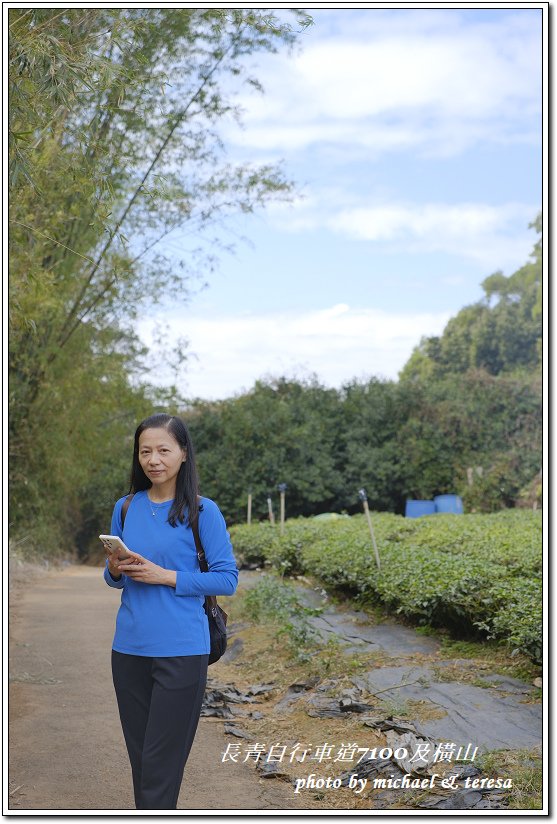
[{"x": 69, "y": 328}]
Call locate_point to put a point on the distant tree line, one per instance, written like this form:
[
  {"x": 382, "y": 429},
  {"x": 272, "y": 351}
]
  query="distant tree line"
[{"x": 477, "y": 435}]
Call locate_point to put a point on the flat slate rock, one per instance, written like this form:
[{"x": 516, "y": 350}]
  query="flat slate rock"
[
  {"x": 481, "y": 716},
  {"x": 294, "y": 693},
  {"x": 233, "y": 650},
  {"x": 237, "y": 732},
  {"x": 352, "y": 632},
  {"x": 321, "y": 705},
  {"x": 288, "y": 699},
  {"x": 271, "y": 770},
  {"x": 503, "y": 683},
  {"x": 460, "y": 800},
  {"x": 390, "y": 680},
  {"x": 216, "y": 712}
]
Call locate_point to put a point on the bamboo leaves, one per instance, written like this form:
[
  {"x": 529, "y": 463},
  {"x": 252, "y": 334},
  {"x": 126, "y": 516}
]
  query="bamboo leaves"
[{"x": 114, "y": 144}]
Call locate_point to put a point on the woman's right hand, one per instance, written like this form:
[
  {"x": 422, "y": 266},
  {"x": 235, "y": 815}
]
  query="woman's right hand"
[{"x": 113, "y": 563}]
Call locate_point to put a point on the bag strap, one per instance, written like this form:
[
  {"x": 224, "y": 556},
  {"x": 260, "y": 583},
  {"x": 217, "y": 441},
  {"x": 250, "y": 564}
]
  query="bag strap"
[
  {"x": 125, "y": 507},
  {"x": 210, "y": 600},
  {"x": 203, "y": 565}
]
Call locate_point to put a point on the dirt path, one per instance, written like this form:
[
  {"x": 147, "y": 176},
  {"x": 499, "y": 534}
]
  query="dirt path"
[{"x": 66, "y": 746}]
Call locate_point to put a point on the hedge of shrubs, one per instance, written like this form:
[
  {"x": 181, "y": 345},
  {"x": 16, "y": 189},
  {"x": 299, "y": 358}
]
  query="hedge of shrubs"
[{"x": 469, "y": 573}]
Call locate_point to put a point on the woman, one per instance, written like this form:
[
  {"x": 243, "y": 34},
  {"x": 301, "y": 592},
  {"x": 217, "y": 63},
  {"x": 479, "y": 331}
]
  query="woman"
[{"x": 161, "y": 644}]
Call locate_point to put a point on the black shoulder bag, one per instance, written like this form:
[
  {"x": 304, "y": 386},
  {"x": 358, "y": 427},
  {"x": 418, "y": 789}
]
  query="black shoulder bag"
[{"x": 216, "y": 616}]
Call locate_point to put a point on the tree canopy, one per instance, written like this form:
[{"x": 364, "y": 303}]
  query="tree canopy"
[
  {"x": 476, "y": 435},
  {"x": 500, "y": 334}
]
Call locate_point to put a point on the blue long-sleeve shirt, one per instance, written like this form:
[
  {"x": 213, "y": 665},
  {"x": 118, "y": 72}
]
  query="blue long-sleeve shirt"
[{"x": 158, "y": 620}]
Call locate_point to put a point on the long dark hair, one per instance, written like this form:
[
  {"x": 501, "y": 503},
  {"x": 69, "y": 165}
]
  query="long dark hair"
[{"x": 187, "y": 482}]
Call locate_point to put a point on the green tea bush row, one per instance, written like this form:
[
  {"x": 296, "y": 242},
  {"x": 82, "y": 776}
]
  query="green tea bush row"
[{"x": 467, "y": 573}]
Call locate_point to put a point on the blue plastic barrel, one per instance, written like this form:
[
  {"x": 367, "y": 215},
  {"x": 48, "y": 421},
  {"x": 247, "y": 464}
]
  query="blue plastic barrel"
[
  {"x": 415, "y": 508},
  {"x": 449, "y": 503}
]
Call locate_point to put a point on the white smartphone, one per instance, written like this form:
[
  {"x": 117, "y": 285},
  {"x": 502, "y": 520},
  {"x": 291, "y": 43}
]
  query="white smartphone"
[{"x": 115, "y": 544}]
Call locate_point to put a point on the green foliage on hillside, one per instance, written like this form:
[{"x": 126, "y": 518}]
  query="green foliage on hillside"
[
  {"x": 469, "y": 573},
  {"x": 500, "y": 334}
]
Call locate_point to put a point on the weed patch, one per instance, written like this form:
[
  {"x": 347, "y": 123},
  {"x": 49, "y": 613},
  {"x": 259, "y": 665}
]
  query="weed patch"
[{"x": 524, "y": 767}]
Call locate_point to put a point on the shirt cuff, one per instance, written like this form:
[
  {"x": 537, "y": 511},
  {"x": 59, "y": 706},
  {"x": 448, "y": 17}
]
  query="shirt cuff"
[{"x": 111, "y": 581}]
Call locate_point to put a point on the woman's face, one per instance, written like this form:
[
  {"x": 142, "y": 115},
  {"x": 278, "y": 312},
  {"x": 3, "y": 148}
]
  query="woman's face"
[{"x": 160, "y": 456}]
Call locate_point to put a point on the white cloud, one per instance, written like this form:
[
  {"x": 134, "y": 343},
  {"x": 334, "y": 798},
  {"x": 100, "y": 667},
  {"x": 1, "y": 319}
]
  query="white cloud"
[
  {"x": 406, "y": 81},
  {"x": 495, "y": 236},
  {"x": 492, "y": 236},
  {"x": 338, "y": 344}
]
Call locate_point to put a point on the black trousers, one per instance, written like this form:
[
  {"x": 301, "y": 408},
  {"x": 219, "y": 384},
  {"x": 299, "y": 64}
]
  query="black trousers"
[{"x": 159, "y": 700}]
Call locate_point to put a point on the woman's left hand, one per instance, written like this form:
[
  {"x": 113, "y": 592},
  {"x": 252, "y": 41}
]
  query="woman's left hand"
[{"x": 140, "y": 569}]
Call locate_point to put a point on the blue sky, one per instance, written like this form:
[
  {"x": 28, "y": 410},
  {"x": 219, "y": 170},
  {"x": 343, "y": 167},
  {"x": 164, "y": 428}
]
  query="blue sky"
[{"x": 415, "y": 138}]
